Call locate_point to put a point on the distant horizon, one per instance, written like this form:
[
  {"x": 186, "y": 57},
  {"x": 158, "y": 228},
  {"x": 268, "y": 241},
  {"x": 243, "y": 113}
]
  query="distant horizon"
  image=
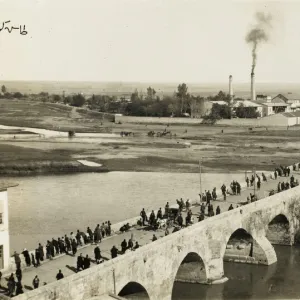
[{"x": 155, "y": 82}]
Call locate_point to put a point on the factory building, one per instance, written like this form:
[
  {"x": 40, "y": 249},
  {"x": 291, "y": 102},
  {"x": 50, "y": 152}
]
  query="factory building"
[{"x": 247, "y": 103}]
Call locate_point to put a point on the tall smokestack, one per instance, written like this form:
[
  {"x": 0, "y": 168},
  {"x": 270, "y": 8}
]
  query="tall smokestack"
[
  {"x": 230, "y": 88},
  {"x": 253, "y": 93}
]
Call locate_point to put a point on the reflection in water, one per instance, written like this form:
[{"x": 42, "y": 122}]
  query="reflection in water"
[{"x": 278, "y": 281}]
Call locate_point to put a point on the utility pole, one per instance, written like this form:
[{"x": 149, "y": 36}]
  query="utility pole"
[
  {"x": 200, "y": 167},
  {"x": 254, "y": 173},
  {"x": 114, "y": 279}
]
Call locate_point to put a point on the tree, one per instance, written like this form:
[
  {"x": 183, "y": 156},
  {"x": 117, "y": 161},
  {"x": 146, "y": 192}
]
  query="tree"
[
  {"x": 78, "y": 100},
  {"x": 135, "y": 96},
  {"x": 220, "y": 112},
  {"x": 150, "y": 94},
  {"x": 182, "y": 95},
  {"x": 3, "y": 89},
  {"x": 221, "y": 96},
  {"x": 18, "y": 95},
  {"x": 56, "y": 98},
  {"x": 246, "y": 112}
]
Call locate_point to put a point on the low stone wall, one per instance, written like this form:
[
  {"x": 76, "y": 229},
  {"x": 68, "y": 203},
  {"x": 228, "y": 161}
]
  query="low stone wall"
[
  {"x": 262, "y": 122},
  {"x": 156, "y": 120}
]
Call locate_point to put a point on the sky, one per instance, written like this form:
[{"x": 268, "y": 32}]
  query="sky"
[{"x": 147, "y": 41}]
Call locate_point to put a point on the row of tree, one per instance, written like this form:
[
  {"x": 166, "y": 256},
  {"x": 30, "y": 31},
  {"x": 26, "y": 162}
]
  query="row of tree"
[{"x": 181, "y": 103}]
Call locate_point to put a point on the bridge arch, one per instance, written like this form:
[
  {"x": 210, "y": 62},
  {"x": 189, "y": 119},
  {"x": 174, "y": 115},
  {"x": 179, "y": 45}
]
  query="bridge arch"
[
  {"x": 191, "y": 270},
  {"x": 278, "y": 231},
  {"x": 134, "y": 290},
  {"x": 241, "y": 246}
]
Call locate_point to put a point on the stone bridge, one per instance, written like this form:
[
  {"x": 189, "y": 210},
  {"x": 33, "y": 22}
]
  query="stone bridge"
[{"x": 156, "y": 266}]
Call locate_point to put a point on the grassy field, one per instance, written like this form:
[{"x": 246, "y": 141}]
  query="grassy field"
[
  {"x": 50, "y": 116},
  {"x": 221, "y": 148}
]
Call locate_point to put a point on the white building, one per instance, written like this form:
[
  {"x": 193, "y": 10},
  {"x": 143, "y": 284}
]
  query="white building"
[
  {"x": 247, "y": 103},
  {"x": 4, "y": 229}
]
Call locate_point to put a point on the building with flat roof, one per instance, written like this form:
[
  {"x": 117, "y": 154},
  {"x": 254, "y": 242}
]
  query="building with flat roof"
[{"x": 4, "y": 227}]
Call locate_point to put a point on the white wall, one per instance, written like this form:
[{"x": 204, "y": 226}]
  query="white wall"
[{"x": 4, "y": 230}]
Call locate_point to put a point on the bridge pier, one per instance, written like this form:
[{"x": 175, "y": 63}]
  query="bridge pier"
[
  {"x": 215, "y": 271},
  {"x": 263, "y": 251}
]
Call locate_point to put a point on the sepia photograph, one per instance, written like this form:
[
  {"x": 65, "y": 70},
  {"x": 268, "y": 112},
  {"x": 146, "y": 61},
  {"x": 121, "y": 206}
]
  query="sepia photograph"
[{"x": 149, "y": 149}]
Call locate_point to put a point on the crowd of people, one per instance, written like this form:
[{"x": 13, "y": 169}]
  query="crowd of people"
[{"x": 171, "y": 218}]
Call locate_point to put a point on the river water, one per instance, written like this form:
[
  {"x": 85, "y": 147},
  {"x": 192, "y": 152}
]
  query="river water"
[
  {"x": 278, "y": 281},
  {"x": 43, "y": 207}
]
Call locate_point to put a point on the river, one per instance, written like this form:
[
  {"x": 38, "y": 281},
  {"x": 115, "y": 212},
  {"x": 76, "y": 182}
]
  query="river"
[
  {"x": 278, "y": 281},
  {"x": 43, "y": 207}
]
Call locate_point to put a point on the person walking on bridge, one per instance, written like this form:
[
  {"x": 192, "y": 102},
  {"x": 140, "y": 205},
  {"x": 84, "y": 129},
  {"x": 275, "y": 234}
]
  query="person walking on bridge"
[
  {"x": 114, "y": 252},
  {"x": 19, "y": 274},
  {"x": 247, "y": 181},
  {"x": 97, "y": 253},
  {"x": 86, "y": 262},
  {"x": 154, "y": 238},
  {"x": 80, "y": 262},
  {"x": 124, "y": 246},
  {"x": 17, "y": 260},
  {"x": 279, "y": 187},
  {"x": 144, "y": 216},
  {"x": 36, "y": 282},
  {"x": 238, "y": 188},
  {"x": 223, "y": 189},
  {"x": 74, "y": 247},
  {"x": 59, "y": 275},
  {"x": 41, "y": 250}
]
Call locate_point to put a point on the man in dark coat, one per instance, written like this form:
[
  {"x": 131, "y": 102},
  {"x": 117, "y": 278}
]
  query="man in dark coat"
[
  {"x": 130, "y": 244},
  {"x": 55, "y": 244},
  {"x": 37, "y": 257},
  {"x": 68, "y": 244},
  {"x": 124, "y": 246},
  {"x": 78, "y": 238},
  {"x": 180, "y": 220},
  {"x": 59, "y": 275},
  {"x": 19, "y": 275},
  {"x": 19, "y": 288},
  {"x": 136, "y": 246},
  {"x": 97, "y": 253},
  {"x": 152, "y": 218},
  {"x": 114, "y": 252},
  {"x": 90, "y": 233},
  {"x": 80, "y": 262},
  {"x": 17, "y": 260},
  {"x": 11, "y": 285},
  {"x": 27, "y": 257},
  {"x": 201, "y": 217},
  {"x": 159, "y": 214},
  {"x": 87, "y": 262},
  {"x": 74, "y": 247},
  {"x": 41, "y": 250},
  {"x": 144, "y": 216},
  {"x": 218, "y": 210}
]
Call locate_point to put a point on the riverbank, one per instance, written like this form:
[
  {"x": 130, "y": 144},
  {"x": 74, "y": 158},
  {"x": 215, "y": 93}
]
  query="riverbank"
[
  {"x": 222, "y": 148},
  {"x": 21, "y": 161}
]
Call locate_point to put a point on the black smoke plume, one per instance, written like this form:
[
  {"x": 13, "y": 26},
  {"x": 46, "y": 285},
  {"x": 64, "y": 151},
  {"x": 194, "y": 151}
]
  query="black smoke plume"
[{"x": 259, "y": 34}]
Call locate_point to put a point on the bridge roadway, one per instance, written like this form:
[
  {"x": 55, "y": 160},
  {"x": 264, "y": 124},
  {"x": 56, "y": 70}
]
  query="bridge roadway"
[{"x": 48, "y": 270}]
